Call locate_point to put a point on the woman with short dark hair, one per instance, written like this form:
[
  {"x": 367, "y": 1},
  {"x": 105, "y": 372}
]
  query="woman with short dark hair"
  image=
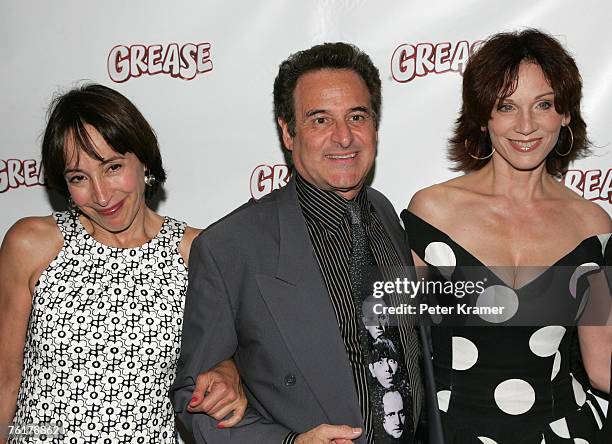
[
  {"x": 535, "y": 244},
  {"x": 91, "y": 299}
]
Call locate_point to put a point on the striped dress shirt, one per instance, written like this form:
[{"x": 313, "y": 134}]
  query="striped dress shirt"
[{"x": 325, "y": 213}]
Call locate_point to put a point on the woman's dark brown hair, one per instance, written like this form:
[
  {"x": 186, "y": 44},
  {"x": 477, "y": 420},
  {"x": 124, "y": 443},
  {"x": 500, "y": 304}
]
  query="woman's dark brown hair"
[
  {"x": 491, "y": 74},
  {"x": 117, "y": 120}
]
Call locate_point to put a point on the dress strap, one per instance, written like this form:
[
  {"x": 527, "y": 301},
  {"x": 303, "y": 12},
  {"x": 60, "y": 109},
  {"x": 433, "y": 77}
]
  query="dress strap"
[
  {"x": 68, "y": 224},
  {"x": 421, "y": 234},
  {"x": 172, "y": 231}
]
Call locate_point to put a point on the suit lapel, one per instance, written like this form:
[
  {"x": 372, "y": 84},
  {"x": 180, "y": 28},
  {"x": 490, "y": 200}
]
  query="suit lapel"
[{"x": 300, "y": 304}]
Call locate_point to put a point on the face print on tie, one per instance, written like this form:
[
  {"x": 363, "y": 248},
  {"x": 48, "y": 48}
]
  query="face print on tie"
[
  {"x": 375, "y": 322},
  {"x": 394, "y": 415},
  {"x": 384, "y": 362}
]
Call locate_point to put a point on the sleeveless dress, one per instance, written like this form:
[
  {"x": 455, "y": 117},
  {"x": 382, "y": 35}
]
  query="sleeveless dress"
[
  {"x": 104, "y": 338},
  {"x": 513, "y": 384}
]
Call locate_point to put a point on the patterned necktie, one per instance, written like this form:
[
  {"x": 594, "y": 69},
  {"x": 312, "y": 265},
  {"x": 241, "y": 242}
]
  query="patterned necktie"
[{"x": 390, "y": 396}]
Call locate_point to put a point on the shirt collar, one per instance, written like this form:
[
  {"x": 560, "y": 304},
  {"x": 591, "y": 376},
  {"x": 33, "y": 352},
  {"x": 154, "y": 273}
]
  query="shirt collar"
[{"x": 326, "y": 207}]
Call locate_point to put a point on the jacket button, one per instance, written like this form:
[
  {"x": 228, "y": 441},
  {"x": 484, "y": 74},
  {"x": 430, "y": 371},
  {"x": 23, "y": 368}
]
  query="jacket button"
[{"x": 290, "y": 380}]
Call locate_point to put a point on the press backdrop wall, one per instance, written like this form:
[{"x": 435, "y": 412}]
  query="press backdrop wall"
[{"x": 214, "y": 117}]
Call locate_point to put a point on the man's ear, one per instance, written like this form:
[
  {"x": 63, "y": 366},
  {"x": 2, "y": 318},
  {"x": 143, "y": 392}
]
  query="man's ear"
[{"x": 287, "y": 139}]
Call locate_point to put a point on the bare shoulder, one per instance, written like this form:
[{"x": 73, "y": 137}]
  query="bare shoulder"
[
  {"x": 30, "y": 245},
  {"x": 435, "y": 202},
  {"x": 188, "y": 237},
  {"x": 593, "y": 217},
  {"x": 33, "y": 235},
  {"x": 590, "y": 217}
]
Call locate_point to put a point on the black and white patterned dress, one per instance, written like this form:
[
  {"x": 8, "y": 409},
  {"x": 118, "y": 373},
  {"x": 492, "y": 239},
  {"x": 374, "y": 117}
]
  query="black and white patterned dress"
[
  {"x": 104, "y": 339},
  {"x": 514, "y": 384}
]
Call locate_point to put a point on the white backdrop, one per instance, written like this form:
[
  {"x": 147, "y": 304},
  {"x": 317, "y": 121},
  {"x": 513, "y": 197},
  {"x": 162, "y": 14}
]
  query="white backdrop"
[{"x": 217, "y": 128}]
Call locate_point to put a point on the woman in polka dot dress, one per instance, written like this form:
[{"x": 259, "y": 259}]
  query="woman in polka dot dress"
[
  {"x": 520, "y": 126},
  {"x": 91, "y": 300}
]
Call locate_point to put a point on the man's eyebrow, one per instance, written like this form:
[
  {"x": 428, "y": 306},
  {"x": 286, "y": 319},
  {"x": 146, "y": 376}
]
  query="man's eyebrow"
[{"x": 313, "y": 112}]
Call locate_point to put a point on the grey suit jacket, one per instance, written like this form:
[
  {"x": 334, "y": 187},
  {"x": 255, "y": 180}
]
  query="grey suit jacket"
[{"x": 256, "y": 293}]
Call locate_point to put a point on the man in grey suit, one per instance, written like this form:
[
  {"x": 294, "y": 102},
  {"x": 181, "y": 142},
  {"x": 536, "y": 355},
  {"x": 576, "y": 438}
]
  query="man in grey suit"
[{"x": 270, "y": 284}]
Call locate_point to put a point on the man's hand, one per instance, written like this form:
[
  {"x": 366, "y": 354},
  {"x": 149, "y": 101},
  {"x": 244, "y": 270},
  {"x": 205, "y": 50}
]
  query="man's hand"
[
  {"x": 218, "y": 393},
  {"x": 329, "y": 434}
]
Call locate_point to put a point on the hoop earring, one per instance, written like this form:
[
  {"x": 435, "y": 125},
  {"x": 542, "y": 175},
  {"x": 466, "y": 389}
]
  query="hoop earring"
[
  {"x": 475, "y": 157},
  {"x": 149, "y": 179},
  {"x": 571, "y": 143}
]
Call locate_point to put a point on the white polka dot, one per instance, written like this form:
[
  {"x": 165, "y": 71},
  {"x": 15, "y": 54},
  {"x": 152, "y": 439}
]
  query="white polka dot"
[
  {"x": 514, "y": 396},
  {"x": 465, "y": 353},
  {"x": 440, "y": 254},
  {"x": 560, "y": 428},
  {"x": 545, "y": 341},
  {"x": 580, "y": 441},
  {"x": 579, "y": 393},
  {"x": 556, "y": 366},
  {"x": 486, "y": 440},
  {"x": 578, "y": 272},
  {"x": 443, "y": 399},
  {"x": 498, "y": 296}
]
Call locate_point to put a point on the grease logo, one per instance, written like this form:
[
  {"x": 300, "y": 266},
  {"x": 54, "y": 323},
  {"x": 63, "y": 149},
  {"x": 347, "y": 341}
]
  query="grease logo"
[
  {"x": 266, "y": 178},
  {"x": 410, "y": 61},
  {"x": 15, "y": 173},
  {"x": 590, "y": 184},
  {"x": 185, "y": 62}
]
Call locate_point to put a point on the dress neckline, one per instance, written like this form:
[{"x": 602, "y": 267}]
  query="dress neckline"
[
  {"x": 89, "y": 237},
  {"x": 545, "y": 268}
]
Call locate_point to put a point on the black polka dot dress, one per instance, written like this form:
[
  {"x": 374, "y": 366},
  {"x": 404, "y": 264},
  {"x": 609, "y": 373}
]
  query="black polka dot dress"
[
  {"x": 513, "y": 384},
  {"x": 104, "y": 339}
]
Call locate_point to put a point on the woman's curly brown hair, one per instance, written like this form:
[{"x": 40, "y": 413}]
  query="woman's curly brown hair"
[{"x": 491, "y": 74}]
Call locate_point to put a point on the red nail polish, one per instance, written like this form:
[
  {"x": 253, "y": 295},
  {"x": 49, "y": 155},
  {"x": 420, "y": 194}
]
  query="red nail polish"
[
  {"x": 194, "y": 399},
  {"x": 220, "y": 426}
]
